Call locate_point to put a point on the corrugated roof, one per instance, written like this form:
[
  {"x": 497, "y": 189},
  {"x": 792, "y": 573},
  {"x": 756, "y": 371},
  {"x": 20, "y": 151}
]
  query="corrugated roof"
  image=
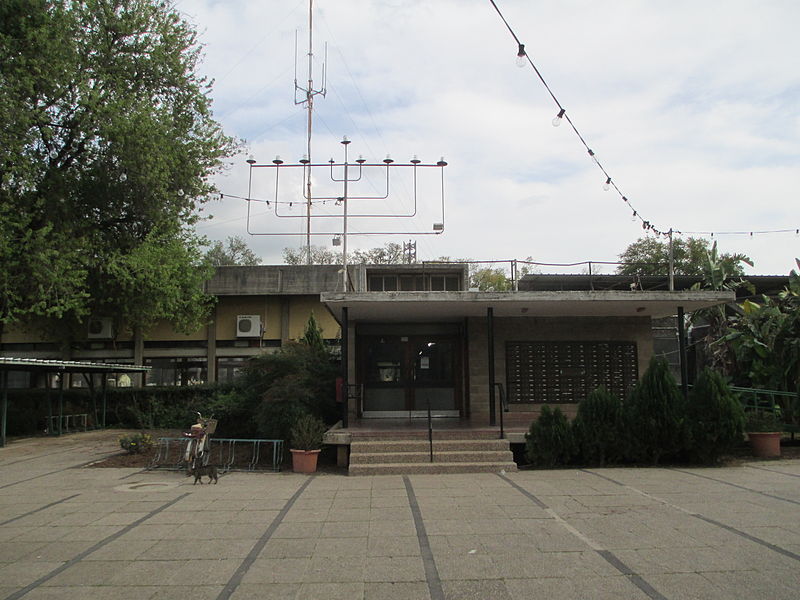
[{"x": 8, "y": 363}]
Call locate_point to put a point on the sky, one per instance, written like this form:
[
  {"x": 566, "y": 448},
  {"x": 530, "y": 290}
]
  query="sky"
[{"x": 693, "y": 109}]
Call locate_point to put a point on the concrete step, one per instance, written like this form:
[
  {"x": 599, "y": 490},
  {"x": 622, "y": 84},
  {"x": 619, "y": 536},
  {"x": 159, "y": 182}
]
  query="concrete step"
[
  {"x": 422, "y": 434},
  {"x": 490, "y": 456},
  {"x": 431, "y": 468},
  {"x": 412, "y": 445}
]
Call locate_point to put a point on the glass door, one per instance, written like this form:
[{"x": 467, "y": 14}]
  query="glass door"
[{"x": 403, "y": 376}]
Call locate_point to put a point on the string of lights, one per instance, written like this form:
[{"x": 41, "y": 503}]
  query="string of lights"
[{"x": 522, "y": 58}]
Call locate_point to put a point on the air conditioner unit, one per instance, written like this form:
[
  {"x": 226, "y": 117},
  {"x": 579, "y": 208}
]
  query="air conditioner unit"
[
  {"x": 248, "y": 326},
  {"x": 100, "y": 328}
]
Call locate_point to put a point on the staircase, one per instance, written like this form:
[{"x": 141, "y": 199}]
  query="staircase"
[{"x": 453, "y": 452}]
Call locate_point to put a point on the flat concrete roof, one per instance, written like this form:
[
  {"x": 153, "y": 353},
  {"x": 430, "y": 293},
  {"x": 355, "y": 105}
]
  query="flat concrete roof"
[{"x": 454, "y": 306}]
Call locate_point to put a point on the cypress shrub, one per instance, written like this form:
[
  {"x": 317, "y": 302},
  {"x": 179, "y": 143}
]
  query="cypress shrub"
[
  {"x": 655, "y": 414},
  {"x": 549, "y": 441},
  {"x": 599, "y": 428},
  {"x": 716, "y": 417}
]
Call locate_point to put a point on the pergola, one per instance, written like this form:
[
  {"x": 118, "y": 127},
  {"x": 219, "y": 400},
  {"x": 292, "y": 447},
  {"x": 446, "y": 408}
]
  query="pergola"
[{"x": 36, "y": 365}]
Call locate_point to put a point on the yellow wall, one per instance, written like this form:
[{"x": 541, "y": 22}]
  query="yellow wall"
[
  {"x": 268, "y": 308},
  {"x": 299, "y": 310}
]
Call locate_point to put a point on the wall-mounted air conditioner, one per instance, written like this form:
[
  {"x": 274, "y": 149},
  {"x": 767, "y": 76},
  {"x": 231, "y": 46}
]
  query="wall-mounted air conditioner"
[
  {"x": 100, "y": 328},
  {"x": 248, "y": 326}
]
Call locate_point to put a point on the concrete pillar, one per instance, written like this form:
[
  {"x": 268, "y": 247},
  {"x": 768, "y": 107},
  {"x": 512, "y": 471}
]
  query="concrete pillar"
[
  {"x": 211, "y": 353},
  {"x": 138, "y": 355},
  {"x": 490, "y": 342}
]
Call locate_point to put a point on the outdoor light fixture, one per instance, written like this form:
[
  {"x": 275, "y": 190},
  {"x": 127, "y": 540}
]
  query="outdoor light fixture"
[
  {"x": 415, "y": 160},
  {"x": 277, "y": 160},
  {"x": 388, "y": 160},
  {"x": 441, "y": 162},
  {"x": 337, "y": 241},
  {"x": 305, "y": 160},
  {"x": 251, "y": 160},
  {"x": 345, "y": 140},
  {"x": 558, "y": 117},
  {"x": 607, "y": 184},
  {"x": 521, "y": 56},
  {"x": 361, "y": 160}
]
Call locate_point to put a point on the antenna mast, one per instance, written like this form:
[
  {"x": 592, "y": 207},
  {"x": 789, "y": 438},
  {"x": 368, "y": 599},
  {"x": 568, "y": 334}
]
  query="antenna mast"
[{"x": 309, "y": 93}]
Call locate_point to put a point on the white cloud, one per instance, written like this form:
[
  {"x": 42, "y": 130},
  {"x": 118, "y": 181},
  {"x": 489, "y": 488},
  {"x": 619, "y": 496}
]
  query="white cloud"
[{"x": 691, "y": 107}]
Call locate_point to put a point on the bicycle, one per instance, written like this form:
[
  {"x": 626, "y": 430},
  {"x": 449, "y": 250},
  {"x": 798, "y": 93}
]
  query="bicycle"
[{"x": 198, "y": 448}]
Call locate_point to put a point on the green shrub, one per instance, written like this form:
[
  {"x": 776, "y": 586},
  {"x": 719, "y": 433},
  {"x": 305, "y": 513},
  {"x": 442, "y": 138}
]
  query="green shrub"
[
  {"x": 599, "y": 428},
  {"x": 716, "y": 417},
  {"x": 655, "y": 414},
  {"x": 297, "y": 380},
  {"x": 136, "y": 443},
  {"x": 760, "y": 421},
  {"x": 549, "y": 442},
  {"x": 307, "y": 432}
]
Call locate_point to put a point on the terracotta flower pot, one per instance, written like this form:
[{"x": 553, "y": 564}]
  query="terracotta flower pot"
[
  {"x": 766, "y": 444},
  {"x": 304, "y": 461}
]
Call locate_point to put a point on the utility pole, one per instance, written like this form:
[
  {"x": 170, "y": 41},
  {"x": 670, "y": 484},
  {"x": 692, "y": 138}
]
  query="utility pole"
[
  {"x": 309, "y": 92},
  {"x": 671, "y": 263}
]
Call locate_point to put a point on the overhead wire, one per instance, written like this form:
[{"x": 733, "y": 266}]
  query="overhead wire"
[{"x": 609, "y": 181}]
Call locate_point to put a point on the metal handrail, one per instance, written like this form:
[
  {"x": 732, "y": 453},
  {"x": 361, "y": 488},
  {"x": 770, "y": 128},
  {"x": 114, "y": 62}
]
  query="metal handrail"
[{"x": 503, "y": 406}]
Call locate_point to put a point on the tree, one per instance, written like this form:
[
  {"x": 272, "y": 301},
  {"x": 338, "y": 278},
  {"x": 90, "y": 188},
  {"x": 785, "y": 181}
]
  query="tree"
[
  {"x": 319, "y": 256},
  {"x": 233, "y": 252},
  {"x": 488, "y": 279},
  {"x": 650, "y": 256},
  {"x": 106, "y": 148}
]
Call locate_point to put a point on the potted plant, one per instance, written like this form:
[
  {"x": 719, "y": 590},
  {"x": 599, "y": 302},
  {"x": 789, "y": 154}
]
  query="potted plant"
[
  {"x": 306, "y": 441},
  {"x": 764, "y": 430}
]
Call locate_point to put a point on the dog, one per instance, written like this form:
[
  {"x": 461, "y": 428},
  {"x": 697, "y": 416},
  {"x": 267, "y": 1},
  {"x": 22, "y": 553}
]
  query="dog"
[{"x": 209, "y": 470}]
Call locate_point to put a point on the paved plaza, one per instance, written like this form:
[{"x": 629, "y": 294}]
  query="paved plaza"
[{"x": 67, "y": 531}]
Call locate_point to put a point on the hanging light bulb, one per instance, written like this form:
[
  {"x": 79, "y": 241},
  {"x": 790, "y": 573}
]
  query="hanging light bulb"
[
  {"x": 607, "y": 185},
  {"x": 521, "y": 56},
  {"x": 558, "y": 117}
]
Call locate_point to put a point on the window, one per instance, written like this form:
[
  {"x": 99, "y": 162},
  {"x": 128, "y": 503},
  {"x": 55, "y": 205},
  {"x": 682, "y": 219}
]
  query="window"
[
  {"x": 176, "y": 371},
  {"x": 230, "y": 368},
  {"x": 407, "y": 282},
  {"x": 568, "y": 371}
]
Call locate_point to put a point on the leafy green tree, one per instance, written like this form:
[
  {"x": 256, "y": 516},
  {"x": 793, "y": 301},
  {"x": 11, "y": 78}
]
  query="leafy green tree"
[
  {"x": 765, "y": 340},
  {"x": 599, "y": 427},
  {"x": 232, "y": 252},
  {"x": 656, "y": 415},
  {"x": 549, "y": 442},
  {"x": 488, "y": 279},
  {"x": 107, "y": 144},
  {"x": 319, "y": 256},
  {"x": 650, "y": 256},
  {"x": 716, "y": 417}
]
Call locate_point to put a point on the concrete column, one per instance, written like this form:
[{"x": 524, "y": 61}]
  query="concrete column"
[
  {"x": 138, "y": 355},
  {"x": 490, "y": 342},
  {"x": 682, "y": 352},
  {"x": 211, "y": 353},
  {"x": 285, "y": 320},
  {"x": 345, "y": 367}
]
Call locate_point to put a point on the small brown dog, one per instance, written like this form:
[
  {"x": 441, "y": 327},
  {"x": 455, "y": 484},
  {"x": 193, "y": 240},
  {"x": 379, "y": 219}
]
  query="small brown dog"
[{"x": 209, "y": 470}]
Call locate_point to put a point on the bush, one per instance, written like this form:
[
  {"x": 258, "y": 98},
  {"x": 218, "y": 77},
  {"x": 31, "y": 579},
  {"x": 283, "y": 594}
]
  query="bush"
[
  {"x": 655, "y": 414},
  {"x": 599, "y": 428},
  {"x": 549, "y": 442},
  {"x": 306, "y": 433},
  {"x": 136, "y": 443},
  {"x": 716, "y": 417},
  {"x": 297, "y": 380}
]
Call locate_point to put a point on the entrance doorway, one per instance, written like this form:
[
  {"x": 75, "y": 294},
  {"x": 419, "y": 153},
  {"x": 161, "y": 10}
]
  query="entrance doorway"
[{"x": 404, "y": 376}]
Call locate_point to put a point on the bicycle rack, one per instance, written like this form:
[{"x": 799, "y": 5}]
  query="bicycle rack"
[{"x": 228, "y": 454}]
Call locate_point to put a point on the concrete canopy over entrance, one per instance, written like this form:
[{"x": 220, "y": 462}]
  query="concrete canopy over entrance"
[{"x": 416, "y": 307}]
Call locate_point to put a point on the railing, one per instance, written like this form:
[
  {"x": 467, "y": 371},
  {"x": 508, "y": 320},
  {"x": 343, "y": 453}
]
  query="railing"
[
  {"x": 787, "y": 404},
  {"x": 77, "y": 422},
  {"x": 503, "y": 406},
  {"x": 227, "y": 454}
]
